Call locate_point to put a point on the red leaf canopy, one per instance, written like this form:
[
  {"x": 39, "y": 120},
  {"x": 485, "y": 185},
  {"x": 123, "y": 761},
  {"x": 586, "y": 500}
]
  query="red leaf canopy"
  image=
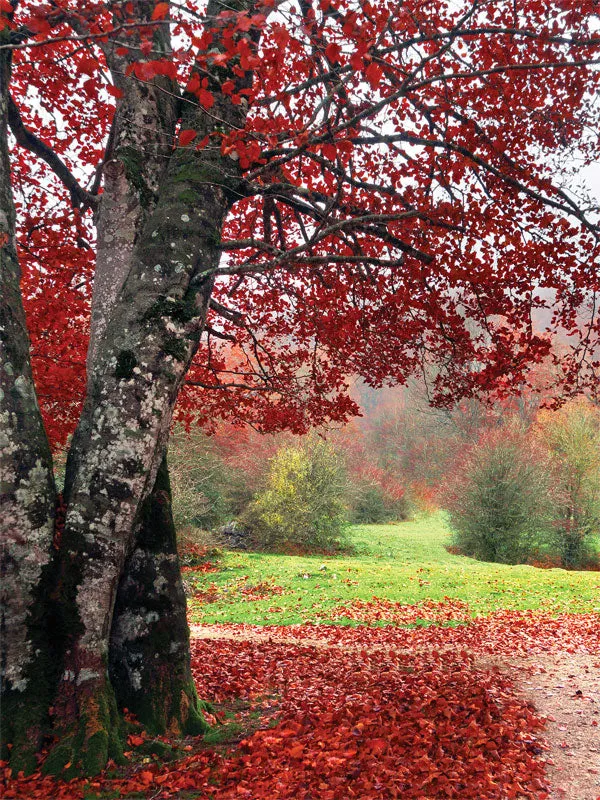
[{"x": 406, "y": 202}]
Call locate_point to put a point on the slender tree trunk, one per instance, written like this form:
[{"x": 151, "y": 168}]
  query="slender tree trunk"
[{"x": 27, "y": 501}]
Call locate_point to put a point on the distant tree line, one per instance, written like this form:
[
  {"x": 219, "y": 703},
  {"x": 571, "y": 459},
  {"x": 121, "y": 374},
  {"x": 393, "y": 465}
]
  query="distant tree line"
[{"x": 521, "y": 483}]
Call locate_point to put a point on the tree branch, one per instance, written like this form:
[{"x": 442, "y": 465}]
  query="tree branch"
[{"x": 80, "y": 198}]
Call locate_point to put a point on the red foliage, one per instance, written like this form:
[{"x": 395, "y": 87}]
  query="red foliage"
[
  {"x": 249, "y": 591},
  {"x": 261, "y": 590},
  {"x": 365, "y": 713},
  {"x": 195, "y": 557},
  {"x": 503, "y": 633},
  {"x": 210, "y": 595},
  {"x": 378, "y": 610},
  {"x": 383, "y": 227},
  {"x": 366, "y": 724}
]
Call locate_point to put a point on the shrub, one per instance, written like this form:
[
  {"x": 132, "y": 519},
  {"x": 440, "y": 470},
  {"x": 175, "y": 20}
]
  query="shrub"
[
  {"x": 200, "y": 480},
  {"x": 370, "y": 503},
  {"x": 572, "y": 436},
  {"x": 367, "y": 504},
  {"x": 499, "y": 502},
  {"x": 302, "y": 505}
]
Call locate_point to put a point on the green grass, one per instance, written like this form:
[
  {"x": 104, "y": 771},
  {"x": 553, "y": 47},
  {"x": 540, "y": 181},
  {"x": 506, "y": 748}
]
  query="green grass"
[{"x": 407, "y": 563}]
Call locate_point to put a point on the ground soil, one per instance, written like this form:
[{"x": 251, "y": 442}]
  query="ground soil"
[{"x": 564, "y": 688}]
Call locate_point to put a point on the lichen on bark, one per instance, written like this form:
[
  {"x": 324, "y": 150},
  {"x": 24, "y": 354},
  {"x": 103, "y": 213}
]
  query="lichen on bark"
[
  {"x": 149, "y": 647},
  {"x": 27, "y": 500},
  {"x": 159, "y": 230}
]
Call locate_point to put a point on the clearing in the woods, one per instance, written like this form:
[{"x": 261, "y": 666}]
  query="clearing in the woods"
[
  {"x": 406, "y": 563},
  {"x": 396, "y": 671}
]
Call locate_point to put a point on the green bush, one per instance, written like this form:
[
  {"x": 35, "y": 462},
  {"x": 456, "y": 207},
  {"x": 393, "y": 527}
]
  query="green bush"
[
  {"x": 302, "y": 506},
  {"x": 367, "y": 504},
  {"x": 200, "y": 481},
  {"x": 370, "y": 504},
  {"x": 499, "y": 502},
  {"x": 572, "y": 436}
]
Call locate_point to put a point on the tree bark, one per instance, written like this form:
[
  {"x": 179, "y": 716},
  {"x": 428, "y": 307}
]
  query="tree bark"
[
  {"x": 142, "y": 138},
  {"x": 141, "y": 363},
  {"x": 137, "y": 155},
  {"x": 27, "y": 500},
  {"x": 149, "y": 655},
  {"x": 119, "y": 608}
]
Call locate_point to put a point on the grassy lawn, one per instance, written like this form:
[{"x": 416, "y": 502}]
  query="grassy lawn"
[{"x": 407, "y": 563}]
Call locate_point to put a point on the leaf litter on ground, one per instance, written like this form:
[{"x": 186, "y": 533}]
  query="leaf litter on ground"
[{"x": 377, "y": 712}]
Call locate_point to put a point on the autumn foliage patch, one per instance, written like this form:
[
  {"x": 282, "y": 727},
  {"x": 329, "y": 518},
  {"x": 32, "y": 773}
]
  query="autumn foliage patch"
[
  {"x": 196, "y": 558},
  {"x": 365, "y": 724},
  {"x": 365, "y": 712},
  {"x": 381, "y": 610}
]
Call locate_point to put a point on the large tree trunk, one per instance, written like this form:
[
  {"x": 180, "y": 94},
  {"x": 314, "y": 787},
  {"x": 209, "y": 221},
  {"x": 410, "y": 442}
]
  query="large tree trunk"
[
  {"x": 142, "y": 359},
  {"x": 27, "y": 501},
  {"x": 119, "y": 619}
]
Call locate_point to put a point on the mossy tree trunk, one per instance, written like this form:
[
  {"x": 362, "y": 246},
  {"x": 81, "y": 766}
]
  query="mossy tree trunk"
[
  {"x": 117, "y": 593},
  {"x": 141, "y": 362},
  {"x": 149, "y": 646},
  {"x": 27, "y": 500}
]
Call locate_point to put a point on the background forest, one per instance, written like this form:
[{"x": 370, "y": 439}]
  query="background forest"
[{"x": 521, "y": 482}]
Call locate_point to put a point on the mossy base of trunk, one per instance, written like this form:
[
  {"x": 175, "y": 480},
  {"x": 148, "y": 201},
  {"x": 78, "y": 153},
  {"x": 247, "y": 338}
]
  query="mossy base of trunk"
[
  {"x": 85, "y": 744},
  {"x": 168, "y": 705},
  {"x": 151, "y": 672},
  {"x": 24, "y": 721},
  {"x": 149, "y": 656}
]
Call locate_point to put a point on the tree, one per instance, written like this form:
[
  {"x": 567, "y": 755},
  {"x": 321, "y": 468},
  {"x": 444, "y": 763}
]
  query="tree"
[{"x": 328, "y": 188}]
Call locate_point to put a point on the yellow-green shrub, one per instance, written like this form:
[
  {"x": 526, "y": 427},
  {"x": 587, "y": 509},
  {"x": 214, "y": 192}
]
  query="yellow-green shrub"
[{"x": 302, "y": 506}]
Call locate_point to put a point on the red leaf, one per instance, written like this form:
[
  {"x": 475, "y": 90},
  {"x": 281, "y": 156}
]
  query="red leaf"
[
  {"x": 244, "y": 23},
  {"x": 332, "y": 51},
  {"x": 193, "y": 84},
  {"x": 146, "y": 777},
  {"x": 114, "y": 91},
  {"x": 186, "y": 136},
  {"x": 357, "y": 61},
  {"x": 160, "y": 11},
  {"x": 87, "y": 66},
  {"x": 373, "y": 74},
  {"x": 205, "y": 98}
]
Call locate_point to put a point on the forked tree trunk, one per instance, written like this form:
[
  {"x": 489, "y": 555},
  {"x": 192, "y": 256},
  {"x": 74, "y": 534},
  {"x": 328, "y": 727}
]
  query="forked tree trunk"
[
  {"x": 140, "y": 365},
  {"x": 27, "y": 500},
  {"x": 119, "y": 609}
]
